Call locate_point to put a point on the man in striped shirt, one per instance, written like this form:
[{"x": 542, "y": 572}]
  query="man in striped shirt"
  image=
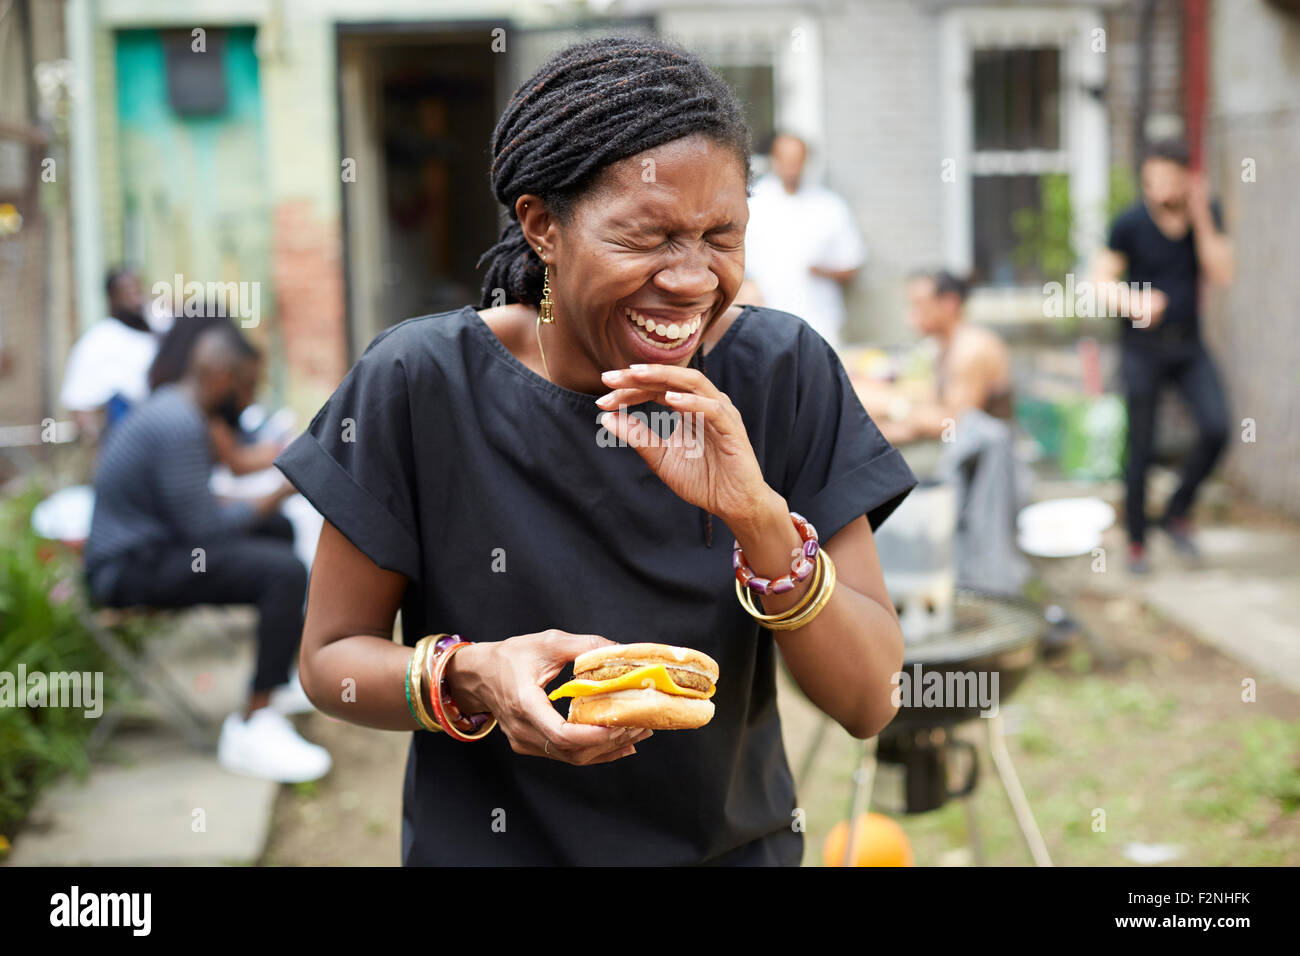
[{"x": 159, "y": 538}]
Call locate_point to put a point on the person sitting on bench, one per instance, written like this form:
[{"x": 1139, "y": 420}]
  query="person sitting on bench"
[{"x": 159, "y": 538}]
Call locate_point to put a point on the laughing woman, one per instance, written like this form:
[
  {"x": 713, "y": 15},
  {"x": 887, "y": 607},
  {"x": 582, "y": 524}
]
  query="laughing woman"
[{"x": 489, "y": 472}]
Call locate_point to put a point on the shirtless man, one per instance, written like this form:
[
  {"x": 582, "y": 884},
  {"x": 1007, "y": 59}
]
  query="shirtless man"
[{"x": 973, "y": 369}]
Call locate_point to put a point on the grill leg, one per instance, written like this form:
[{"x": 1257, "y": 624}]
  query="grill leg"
[
  {"x": 973, "y": 830},
  {"x": 1015, "y": 793},
  {"x": 864, "y": 779},
  {"x": 810, "y": 755}
]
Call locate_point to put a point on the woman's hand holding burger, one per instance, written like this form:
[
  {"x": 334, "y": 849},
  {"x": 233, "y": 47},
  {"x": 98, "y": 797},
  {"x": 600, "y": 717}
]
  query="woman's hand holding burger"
[{"x": 506, "y": 678}]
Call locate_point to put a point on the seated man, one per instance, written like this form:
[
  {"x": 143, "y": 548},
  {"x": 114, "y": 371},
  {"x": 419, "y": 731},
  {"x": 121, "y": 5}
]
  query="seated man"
[
  {"x": 107, "y": 369},
  {"x": 158, "y": 538},
  {"x": 228, "y": 444},
  {"x": 973, "y": 369}
]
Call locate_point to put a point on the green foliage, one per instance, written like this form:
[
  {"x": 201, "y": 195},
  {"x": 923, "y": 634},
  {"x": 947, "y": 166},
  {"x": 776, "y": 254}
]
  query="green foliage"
[
  {"x": 1123, "y": 192},
  {"x": 1043, "y": 234},
  {"x": 42, "y": 607},
  {"x": 1266, "y": 772}
]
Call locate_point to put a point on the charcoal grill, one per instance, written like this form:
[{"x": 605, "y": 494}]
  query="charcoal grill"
[{"x": 991, "y": 635}]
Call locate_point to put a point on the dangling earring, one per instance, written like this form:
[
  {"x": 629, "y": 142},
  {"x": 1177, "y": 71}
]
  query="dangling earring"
[
  {"x": 544, "y": 314},
  {"x": 546, "y": 311}
]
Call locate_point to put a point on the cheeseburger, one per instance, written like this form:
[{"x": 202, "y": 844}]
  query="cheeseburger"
[{"x": 641, "y": 685}]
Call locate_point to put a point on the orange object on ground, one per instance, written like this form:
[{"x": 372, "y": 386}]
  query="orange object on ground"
[{"x": 877, "y": 841}]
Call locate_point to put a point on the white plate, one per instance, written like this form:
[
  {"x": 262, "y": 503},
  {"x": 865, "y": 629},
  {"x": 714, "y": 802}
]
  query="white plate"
[
  {"x": 1063, "y": 527},
  {"x": 1082, "y": 541}
]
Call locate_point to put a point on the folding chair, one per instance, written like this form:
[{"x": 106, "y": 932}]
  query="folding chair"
[
  {"x": 66, "y": 516},
  {"x": 149, "y": 677}
]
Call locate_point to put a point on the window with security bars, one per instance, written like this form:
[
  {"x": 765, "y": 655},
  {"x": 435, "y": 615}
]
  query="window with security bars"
[{"x": 1017, "y": 139}]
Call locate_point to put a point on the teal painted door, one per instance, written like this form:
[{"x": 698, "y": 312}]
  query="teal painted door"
[{"x": 195, "y": 200}]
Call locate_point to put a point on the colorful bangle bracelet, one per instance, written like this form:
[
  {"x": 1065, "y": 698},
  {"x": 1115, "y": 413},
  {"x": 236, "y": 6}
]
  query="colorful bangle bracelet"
[
  {"x": 415, "y": 695},
  {"x": 802, "y": 561},
  {"x": 444, "y": 648},
  {"x": 409, "y": 706},
  {"x": 465, "y": 725},
  {"x": 421, "y": 650}
]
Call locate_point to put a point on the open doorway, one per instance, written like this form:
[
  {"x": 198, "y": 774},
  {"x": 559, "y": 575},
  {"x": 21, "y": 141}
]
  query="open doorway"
[{"x": 417, "y": 108}]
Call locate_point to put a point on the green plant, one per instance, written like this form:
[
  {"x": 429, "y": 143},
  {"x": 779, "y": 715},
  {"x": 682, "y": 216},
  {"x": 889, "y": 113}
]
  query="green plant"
[
  {"x": 1122, "y": 192},
  {"x": 1045, "y": 243},
  {"x": 43, "y": 630},
  {"x": 1045, "y": 233}
]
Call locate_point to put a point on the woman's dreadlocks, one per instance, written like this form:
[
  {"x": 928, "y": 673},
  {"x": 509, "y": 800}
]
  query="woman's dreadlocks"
[{"x": 591, "y": 105}]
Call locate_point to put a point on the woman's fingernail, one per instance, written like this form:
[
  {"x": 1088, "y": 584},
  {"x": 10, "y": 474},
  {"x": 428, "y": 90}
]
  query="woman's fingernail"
[
  {"x": 639, "y": 367},
  {"x": 604, "y": 398},
  {"x": 672, "y": 396}
]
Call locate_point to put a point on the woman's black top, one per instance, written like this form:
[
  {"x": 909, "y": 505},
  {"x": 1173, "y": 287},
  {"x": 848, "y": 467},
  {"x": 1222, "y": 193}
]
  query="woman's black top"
[{"x": 498, "y": 494}]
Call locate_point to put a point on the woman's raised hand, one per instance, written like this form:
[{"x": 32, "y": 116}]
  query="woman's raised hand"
[
  {"x": 506, "y": 678},
  {"x": 708, "y": 459}
]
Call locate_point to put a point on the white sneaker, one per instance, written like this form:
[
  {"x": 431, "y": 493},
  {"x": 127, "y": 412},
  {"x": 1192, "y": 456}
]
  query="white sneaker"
[
  {"x": 267, "y": 746},
  {"x": 290, "y": 699}
]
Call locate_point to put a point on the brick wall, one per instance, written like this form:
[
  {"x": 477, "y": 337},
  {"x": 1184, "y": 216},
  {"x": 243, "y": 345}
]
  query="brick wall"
[
  {"x": 35, "y": 264},
  {"x": 883, "y": 149},
  {"x": 308, "y": 316}
]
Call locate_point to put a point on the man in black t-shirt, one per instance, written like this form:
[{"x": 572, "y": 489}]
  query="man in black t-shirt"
[{"x": 1169, "y": 239}]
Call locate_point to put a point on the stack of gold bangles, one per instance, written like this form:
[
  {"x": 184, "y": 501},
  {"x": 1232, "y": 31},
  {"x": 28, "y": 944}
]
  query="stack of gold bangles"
[
  {"x": 817, "y": 596},
  {"x": 427, "y": 696}
]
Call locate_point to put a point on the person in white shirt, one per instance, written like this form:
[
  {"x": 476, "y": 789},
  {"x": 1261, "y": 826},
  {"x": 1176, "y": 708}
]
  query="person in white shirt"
[
  {"x": 802, "y": 245},
  {"x": 108, "y": 368}
]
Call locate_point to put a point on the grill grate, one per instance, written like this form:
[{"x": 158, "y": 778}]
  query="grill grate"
[{"x": 985, "y": 625}]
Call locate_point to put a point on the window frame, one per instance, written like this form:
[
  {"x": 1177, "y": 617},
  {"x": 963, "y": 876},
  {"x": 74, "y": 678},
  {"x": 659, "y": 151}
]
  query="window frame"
[{"x": 1084, "y": 145}]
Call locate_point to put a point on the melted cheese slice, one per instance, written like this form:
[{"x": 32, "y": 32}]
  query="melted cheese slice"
[{"x": 652, "y": 675}]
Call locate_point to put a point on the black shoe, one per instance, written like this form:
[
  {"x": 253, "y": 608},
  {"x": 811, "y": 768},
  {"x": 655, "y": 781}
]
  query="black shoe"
[{"x": 1180, "y": 535}]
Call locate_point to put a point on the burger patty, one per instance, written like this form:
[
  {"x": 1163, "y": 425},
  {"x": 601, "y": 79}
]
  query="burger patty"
[{"x": 680, "y": 677}]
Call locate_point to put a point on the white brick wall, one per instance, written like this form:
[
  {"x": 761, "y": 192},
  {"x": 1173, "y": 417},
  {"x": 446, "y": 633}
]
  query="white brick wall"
[{"x": 883, "y": 146}]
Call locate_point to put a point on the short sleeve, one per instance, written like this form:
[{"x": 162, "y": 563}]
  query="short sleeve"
[
  {"x": 844, "y": 248},
  {"x": 355, "y": 463},
  {"x": 103, "y": 363},
  {"x": 1120, "y": 238},
  {"x": 85, "y": 384},
  {"x": 839, "y": 467}
]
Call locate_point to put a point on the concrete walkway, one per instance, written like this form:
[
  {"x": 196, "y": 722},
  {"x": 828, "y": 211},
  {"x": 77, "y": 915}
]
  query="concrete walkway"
[
  {"x": 1242, "y": 598},
  {"x": 149, "y": 798}
]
